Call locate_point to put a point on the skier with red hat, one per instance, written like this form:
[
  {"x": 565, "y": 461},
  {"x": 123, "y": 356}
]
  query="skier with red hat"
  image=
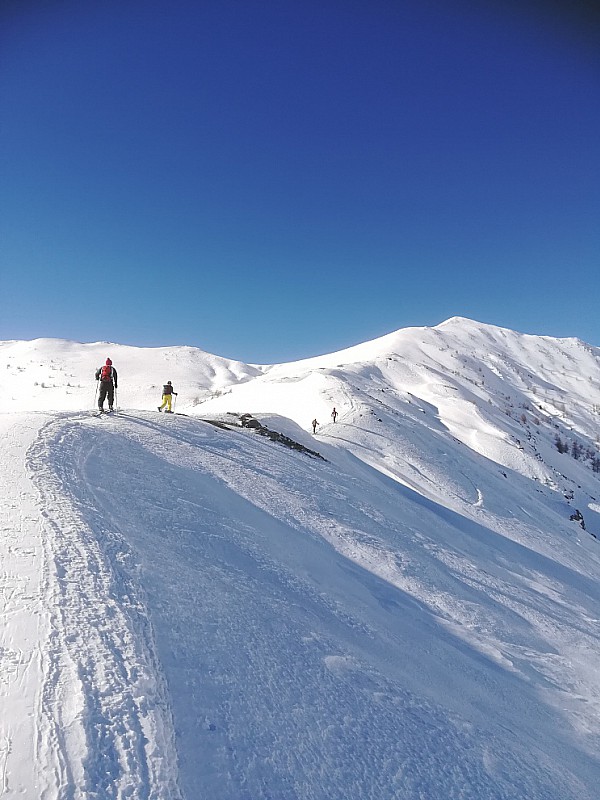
[{"x": 107, "y": 375}]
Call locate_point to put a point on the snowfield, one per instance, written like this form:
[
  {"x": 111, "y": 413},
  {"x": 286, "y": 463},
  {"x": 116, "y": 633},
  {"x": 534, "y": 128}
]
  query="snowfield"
[{"x": 189, "y": 609}]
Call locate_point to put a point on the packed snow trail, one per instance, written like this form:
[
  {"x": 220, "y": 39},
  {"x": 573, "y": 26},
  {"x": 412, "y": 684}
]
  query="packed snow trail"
[
  {"x": 104, "y": 725},
  {"x": 232, "y": 620}
]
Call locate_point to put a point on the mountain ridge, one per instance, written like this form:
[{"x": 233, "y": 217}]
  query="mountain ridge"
[{"x": 513, "y": 398}]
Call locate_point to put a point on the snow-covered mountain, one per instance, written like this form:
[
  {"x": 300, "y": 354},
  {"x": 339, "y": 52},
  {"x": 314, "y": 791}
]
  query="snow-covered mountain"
[{"x": 189, "y": 609}]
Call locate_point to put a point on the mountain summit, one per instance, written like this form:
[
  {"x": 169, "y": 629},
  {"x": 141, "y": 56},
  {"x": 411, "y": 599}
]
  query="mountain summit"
[{"x": 403, "y": 605}]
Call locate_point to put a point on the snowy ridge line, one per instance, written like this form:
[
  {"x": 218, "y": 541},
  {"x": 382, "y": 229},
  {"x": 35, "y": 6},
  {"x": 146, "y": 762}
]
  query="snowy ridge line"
[{"x": 104, "y": 728}]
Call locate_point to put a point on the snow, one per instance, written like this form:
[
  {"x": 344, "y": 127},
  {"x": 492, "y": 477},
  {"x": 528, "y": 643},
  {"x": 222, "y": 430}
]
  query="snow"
[{"x": 191, "y": 610}]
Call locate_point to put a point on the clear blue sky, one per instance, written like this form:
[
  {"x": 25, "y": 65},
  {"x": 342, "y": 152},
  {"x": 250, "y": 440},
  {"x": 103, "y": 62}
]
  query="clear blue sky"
[{"x": 273, "y": 179}]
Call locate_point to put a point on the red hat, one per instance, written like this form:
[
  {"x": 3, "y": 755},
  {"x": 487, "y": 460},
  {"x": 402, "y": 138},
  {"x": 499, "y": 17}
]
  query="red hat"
[{"x": 108, "y": 362}]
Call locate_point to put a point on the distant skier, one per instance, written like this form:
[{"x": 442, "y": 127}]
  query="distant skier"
[
  {"x": 107, "y": 375},
  {"x": 334, "y": 415},
  {"x": 167, "y": 397},
  {"x": 314, "y": 424}
]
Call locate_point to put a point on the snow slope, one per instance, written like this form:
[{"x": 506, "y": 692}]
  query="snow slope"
[{"x": 192, "y": 610}]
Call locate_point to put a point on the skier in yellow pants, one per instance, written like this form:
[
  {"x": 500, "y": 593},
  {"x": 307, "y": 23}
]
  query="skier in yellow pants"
[{"x": 167, "y": 397}]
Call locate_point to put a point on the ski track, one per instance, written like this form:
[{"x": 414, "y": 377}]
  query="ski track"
[{"x": 105, "y": 730}]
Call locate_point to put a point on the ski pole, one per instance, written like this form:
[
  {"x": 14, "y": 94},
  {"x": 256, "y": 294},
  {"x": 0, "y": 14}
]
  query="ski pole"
[
  {"x": 95, "y": 394},
  {"x": 174, "y": 402},
  {"x": 116, "y": 401}
]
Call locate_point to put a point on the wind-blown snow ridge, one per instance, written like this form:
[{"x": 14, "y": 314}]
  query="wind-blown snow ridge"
[{"x": 195, "y": 611}]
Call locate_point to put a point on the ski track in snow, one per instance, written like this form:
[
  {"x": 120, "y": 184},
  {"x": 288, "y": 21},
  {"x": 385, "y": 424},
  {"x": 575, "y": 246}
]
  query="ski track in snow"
[
  {"x": 105, "y": 730},
  {"x": 224, "y": 650}
]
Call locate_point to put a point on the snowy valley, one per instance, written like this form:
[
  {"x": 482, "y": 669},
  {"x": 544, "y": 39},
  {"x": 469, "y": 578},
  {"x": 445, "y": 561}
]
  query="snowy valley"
[{"x": 191, "y": 610}]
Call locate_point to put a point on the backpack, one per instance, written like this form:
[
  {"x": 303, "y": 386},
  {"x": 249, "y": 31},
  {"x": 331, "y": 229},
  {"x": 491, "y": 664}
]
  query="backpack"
[{"x": 106, "y": 373}]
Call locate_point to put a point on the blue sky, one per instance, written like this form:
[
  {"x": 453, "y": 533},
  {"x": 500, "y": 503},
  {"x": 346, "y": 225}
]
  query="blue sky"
[{"x": 274, "y": 179}]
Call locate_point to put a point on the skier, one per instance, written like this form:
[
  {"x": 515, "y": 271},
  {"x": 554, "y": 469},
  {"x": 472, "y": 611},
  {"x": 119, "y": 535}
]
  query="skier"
[
  {"x": 314, "y": 424},
  {"x": 167, "y": 397},
  {"x": 107, "y": 375},
  {"x": 334, "y": 414}
]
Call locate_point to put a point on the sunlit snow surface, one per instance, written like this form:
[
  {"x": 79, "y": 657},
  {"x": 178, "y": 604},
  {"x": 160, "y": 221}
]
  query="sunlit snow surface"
[{"x": 189, "y": 611}]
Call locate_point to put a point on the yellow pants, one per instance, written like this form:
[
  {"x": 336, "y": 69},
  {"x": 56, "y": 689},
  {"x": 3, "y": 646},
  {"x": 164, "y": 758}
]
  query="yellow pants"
[{"x": 167, "y": 398}]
